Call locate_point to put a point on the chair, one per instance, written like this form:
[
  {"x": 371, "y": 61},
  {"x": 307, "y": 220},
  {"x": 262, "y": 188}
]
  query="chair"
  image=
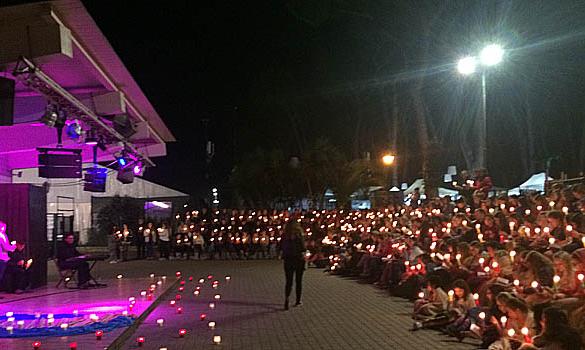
[{"x": 66, "y": 276}]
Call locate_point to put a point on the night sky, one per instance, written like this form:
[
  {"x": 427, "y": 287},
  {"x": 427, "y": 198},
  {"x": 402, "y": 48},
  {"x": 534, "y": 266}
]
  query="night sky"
[{"x": 250, "y": 74}]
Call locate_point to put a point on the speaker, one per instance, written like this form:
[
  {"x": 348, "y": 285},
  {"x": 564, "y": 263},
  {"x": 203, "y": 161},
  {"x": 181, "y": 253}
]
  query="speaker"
[
  {"x": 95, "y": 179},
  {"x": 123, "y": 125},
  {"x": 126, "y": 175},
  {"x": 62, "y": 164},
  {"x": 6, "y": 101}
]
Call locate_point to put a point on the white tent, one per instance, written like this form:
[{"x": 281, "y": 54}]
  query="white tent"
[
  {"x": 68, "y": 194},
  {"x": 420, "y": 183},
  {"x": 534, "y": 183}
]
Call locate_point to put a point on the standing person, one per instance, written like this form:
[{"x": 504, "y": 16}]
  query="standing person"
[
  {"x": 114, "y": 244},
  {"x": 164, "y": 241},
  {"x": 125, "y": 241},
  {"x": 293, "y": 249},
  {"x": 140, "y": 242},
  {"x": 148, "y": 236},
  {"x": 5, "y": 247}
]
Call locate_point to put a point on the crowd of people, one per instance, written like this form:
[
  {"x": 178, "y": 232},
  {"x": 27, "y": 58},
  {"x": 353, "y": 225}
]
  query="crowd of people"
[{"x": 508, "y": 270}]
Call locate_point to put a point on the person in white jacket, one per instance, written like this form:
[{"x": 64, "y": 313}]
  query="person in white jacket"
[{"x": 5, "y": 248}]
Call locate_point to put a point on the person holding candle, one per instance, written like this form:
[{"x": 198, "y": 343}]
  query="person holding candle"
[
  {"x": 293, "y": 249},
  {"x": 17, "y": 273},
  {"x": 5, "y": 248},
  {"x": 556, "y": 333}
]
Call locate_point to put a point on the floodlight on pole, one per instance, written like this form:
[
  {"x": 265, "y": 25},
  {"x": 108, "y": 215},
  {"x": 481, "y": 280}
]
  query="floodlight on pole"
[
  {"x": 491, "y": 55},
  {"x": 467, "y": 65}
]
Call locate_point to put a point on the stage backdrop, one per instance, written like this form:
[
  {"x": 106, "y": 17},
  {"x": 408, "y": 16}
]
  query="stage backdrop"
[{"x": 23, "y": 208}]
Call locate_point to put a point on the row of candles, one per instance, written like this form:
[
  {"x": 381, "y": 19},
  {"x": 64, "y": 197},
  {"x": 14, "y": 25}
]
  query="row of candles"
[
  {"x": 93, "y": 317},
  {"x": 216, "y": 339}
]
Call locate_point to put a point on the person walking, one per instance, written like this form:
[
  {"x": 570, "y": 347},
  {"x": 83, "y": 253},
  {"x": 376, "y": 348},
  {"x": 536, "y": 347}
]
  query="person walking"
[{"x": 293, "y": 249}]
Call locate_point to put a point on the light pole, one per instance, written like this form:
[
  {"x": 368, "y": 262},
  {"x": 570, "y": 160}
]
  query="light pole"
[
  {"x": 491, "y": 55},
  {"x": 388, "y": 160}
]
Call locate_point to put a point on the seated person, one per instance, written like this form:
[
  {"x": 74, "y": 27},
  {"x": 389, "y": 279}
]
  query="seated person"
[
  {"x": 16, "y": 277},
  {"x": 68, "y": 258}
]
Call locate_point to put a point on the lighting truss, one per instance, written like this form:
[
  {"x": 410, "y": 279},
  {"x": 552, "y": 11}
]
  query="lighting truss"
[{"x": 34, "y": 78}]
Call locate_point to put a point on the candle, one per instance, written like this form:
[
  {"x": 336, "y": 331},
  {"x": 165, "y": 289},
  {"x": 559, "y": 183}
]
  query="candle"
[
  {"x": 64, "y": 326},
  {"x": 36, "y": 345},
  {"x": 525, "y": 332},
  {"x": 172, "y": 302},
  {"x": 551, "y": 204},
  {"x": 140, "y": 341},
  {"x": 73, "y": 346},
  {"x": 143, "y": 293},
  {"x": 20, "y": 324},
  {"x": 182, "y": 332},
  {"x": 512, "y": 255},
  {"x": 196, "y": 293},
  {"x": 10, "y": 319},
  {"x": 527, "y": 212},
  {"x": 511, "y": 332},
  {"x": 160, "y": 322},
  {"x": 556, "y": 279},
  {"x": 476, "y": 298},
  {"x": 212, "y": 305},
  {"x": 503, "y": 321},
  {"x": 152, "y": 275},
  {"x": 10, "y": 329},
  {"x": 581, "y": 277},
  {"x": 119, "y": 277},
  {"x": 481, "y": 261},
  {"x": 539, "y": 207},
  {"x": 99, "y": 334},
  {"x": 178, "y": 297},
  {"x": 9, "y": 314},
  {"x": 516, "y": 283},
  {"x": 451, "y": 295},
  {"x": 211, "y": 324},
  {"x": 217, "y": 297},
  {"x": 50, "y": 321},
  {"x": 565, "y": 210},
  {"x": 458, "y": 257},
  {"x": 201, "y": 280},
  {"x": 482, "y": 315},
  {"x": 421, "y": 295},
  {"x": 216, "y": 339},
  {"x": 583, "y": 241},
  {"x": 94, "y": 317},
  {"x": 179, "y": 310},
  {"x": 202, "y": 317},
  {"x": 227, "y": 278},
  {"x": 551, "y": 241},
  {"x": 480, "y": 237},
  {"x": 50, "y": 316}
]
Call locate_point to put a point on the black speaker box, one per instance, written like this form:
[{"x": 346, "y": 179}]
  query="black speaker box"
[
  {"x": 63, "y": 165},
  {"x": 6, "y": 101},
  {"x": 95, "y": 179}
]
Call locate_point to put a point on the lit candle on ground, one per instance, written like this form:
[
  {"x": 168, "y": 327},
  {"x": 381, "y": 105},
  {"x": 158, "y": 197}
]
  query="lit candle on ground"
[
  {"x": 216, "y": 339},
  {"x": 119, "y": 277},
  {"x": 196, "y": 292},
  {"x": 36, "y": 345},
  {"x": 201, "y": 280},
  {"x": 209, "y": 277},
  {"x": 143, "y": 293},
  {"x": 10, "y": 329},
  {"x": 73, "y": 346},
  {"x": 10, "y": 319},
  {"x": 179, "y": 310},
  {"x": 172, "y": 302},
  {"x": 64, "y": 326},
  {"x": 227, "y": 278},
  {"x": 140, "y": 341},
  {"x": 178, "y": 273},
  {"x": 9, "y": 314},
  {"x": 202, "y": 317},
  {"x": 152, "y": 275},
  {"x": 99, "y": 334},
  {"x": 160, "y": 322},
  {"x": 50, "y": 321},
  {"x": 212, "y": 305},
  {"x": 217, "y": 297},
  {"x": 211, "y": 324},
  {"x": 178, "y": 297},
  {"x": 94, "y": 317},
  {"x": 75, "y": 312},
  {"x": 50, "y": 316},
  {"x": 20, "y": 324},
  {"x": 182, "y": 332}
]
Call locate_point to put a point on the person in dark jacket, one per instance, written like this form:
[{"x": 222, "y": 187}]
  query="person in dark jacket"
[
  {"x": 17, "y": 279},
  {"x": 69, "y": 258},
  {"x": 293, "y": 249}
]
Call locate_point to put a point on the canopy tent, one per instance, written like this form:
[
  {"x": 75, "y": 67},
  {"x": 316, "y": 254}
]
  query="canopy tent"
[
  {"x": 420, "y": 184},
  {"x": 534, "y": 183}
]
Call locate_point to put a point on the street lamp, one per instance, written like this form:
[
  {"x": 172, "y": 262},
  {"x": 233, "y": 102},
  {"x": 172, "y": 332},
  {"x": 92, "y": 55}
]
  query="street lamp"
[
  {"x": 490, "y": 56},
  {"x": 388, "y": 159}
]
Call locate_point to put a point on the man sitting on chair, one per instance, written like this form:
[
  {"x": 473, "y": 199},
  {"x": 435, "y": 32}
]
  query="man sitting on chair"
[{"x": 68, "y": 258}]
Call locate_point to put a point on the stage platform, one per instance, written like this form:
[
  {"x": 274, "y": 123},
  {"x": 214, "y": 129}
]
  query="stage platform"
[{"x": 74, "y": 311}]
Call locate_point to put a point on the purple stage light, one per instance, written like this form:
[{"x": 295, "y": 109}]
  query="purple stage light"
[{"x": 137, "y": 169}]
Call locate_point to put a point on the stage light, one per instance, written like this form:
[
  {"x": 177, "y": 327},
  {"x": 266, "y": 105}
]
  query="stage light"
[
  {"x": 51, "y": 115},
  {"x": 137, "y": 169},
  {"x": 73, "y": 129}
]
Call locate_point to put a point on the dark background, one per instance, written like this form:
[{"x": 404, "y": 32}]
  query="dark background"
[{"x": 283, "y": 73}]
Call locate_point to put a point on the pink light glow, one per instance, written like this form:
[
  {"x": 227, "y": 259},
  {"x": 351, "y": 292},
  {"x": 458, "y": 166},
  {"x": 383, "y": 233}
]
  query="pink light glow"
[{"x": 103, "y": 309}]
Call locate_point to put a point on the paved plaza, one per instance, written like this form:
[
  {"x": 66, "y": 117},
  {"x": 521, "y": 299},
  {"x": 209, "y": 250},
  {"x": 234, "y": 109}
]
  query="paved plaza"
[{"x": 338, "y": 313}]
